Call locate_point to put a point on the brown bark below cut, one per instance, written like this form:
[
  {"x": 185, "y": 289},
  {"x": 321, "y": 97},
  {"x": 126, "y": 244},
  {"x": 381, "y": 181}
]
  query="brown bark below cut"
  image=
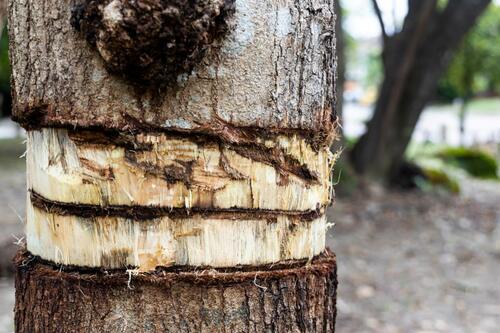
[{"x": 289, "y": 297}]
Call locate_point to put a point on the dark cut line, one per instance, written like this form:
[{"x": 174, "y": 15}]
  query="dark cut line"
[
  {"x": 275, "y": 157},
  {"x": 34, "y": 118},
  {"x": 143, "y": 213},
  {"x": 325, "y": 260}
]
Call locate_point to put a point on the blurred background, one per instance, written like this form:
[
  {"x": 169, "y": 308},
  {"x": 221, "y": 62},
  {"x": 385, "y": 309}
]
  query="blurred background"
[{"x": 417, "y": 214}]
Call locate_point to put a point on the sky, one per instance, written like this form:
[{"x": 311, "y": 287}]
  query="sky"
[{"x": 361, "y": 21}]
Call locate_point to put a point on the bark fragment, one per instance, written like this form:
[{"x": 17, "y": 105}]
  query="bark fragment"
[{"x": 152, "y": 41}]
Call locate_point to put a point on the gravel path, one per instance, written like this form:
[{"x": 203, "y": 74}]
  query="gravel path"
[
  {"x": 6, "y": 305},
  {"x": 12, "y": 207},
  {"x": 419, "y": 263}
]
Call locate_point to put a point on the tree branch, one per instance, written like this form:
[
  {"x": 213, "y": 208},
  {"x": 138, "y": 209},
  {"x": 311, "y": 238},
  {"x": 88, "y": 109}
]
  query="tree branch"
[{"x": 378, "y": 12}]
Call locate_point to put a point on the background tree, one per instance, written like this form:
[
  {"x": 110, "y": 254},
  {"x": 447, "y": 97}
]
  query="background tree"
[{"x": 414, "y": 60}]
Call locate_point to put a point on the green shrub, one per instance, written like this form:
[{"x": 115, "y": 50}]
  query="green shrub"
[
  {"x": 439, "y": 178},
  {"x": 476, "y": 162},
  {"x": 4, "y": 61}
]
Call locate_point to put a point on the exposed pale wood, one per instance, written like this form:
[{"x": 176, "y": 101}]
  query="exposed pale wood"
[
  {"x": 114, "y": 242},
  {"x": 176, "y": 172},
  {"x": 275, "y": 70},
  {"x": 196, "y": 146}
]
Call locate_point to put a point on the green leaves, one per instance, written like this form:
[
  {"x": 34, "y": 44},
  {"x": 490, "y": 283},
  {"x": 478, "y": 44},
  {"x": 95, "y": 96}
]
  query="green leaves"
[
  {"x": 4, "y": 61},
  {"x": 475, "y": 67}
]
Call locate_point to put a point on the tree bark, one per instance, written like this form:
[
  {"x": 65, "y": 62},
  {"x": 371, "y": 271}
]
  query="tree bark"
[
  {"x": 196, "y": 173},
  {"x": 298, "y": 298},
  {"x": 414, "y": 61},
  {"x": 274, "y": 71}
]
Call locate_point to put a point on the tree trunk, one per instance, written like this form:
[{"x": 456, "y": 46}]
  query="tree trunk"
[
  {"x": 178, "y": 167},
  {"x": 414, "y": 61}
]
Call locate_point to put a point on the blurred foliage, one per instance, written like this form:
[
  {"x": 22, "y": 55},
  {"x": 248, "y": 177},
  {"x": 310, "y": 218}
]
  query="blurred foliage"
[
  {"x": 5, "y": 99},
  {"x": 442, "y": 4},
  {"x": 485, "y": 105},
  {"x": 345, "y": 180},
  {"x": 475, "y": 68},
  {"x": 4, "y": 62},
  {"x": 475, "y": 162},
  {"x": 375, "y": 70},
  {"x": 439, "y": 179},
  {"x": 349, "y": 142},
  {"x": 11, "y": 151}
]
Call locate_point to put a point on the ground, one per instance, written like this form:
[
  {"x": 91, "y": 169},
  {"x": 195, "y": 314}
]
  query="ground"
[
  {"x": 413, "y": 262},
  {"x": 408, "y": 262}
]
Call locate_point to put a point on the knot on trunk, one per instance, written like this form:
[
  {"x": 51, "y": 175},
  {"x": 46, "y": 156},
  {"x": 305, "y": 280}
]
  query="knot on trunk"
[{"x": 152, "y": 41}]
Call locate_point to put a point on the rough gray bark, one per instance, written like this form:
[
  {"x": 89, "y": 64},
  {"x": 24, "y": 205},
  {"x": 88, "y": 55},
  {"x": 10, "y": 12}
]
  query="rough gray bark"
[
  {"x": 274, "y": 71},
  {"x": 414, "y": 60},
  {"x": 225, "y": 167}
]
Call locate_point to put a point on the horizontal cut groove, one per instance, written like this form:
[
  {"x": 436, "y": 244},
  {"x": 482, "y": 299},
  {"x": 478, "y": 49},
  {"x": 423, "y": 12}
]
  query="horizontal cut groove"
[
  {"x": 278, "y": 159},
  {"x": 323, "y": 263},
  {"x": 151, "y": 212},
  {"x": 220, "y": 131},
  {"x": 248, "y": 148},
  {"x": 114, "y": 242},
  {"x": 166, "y": 171}
]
